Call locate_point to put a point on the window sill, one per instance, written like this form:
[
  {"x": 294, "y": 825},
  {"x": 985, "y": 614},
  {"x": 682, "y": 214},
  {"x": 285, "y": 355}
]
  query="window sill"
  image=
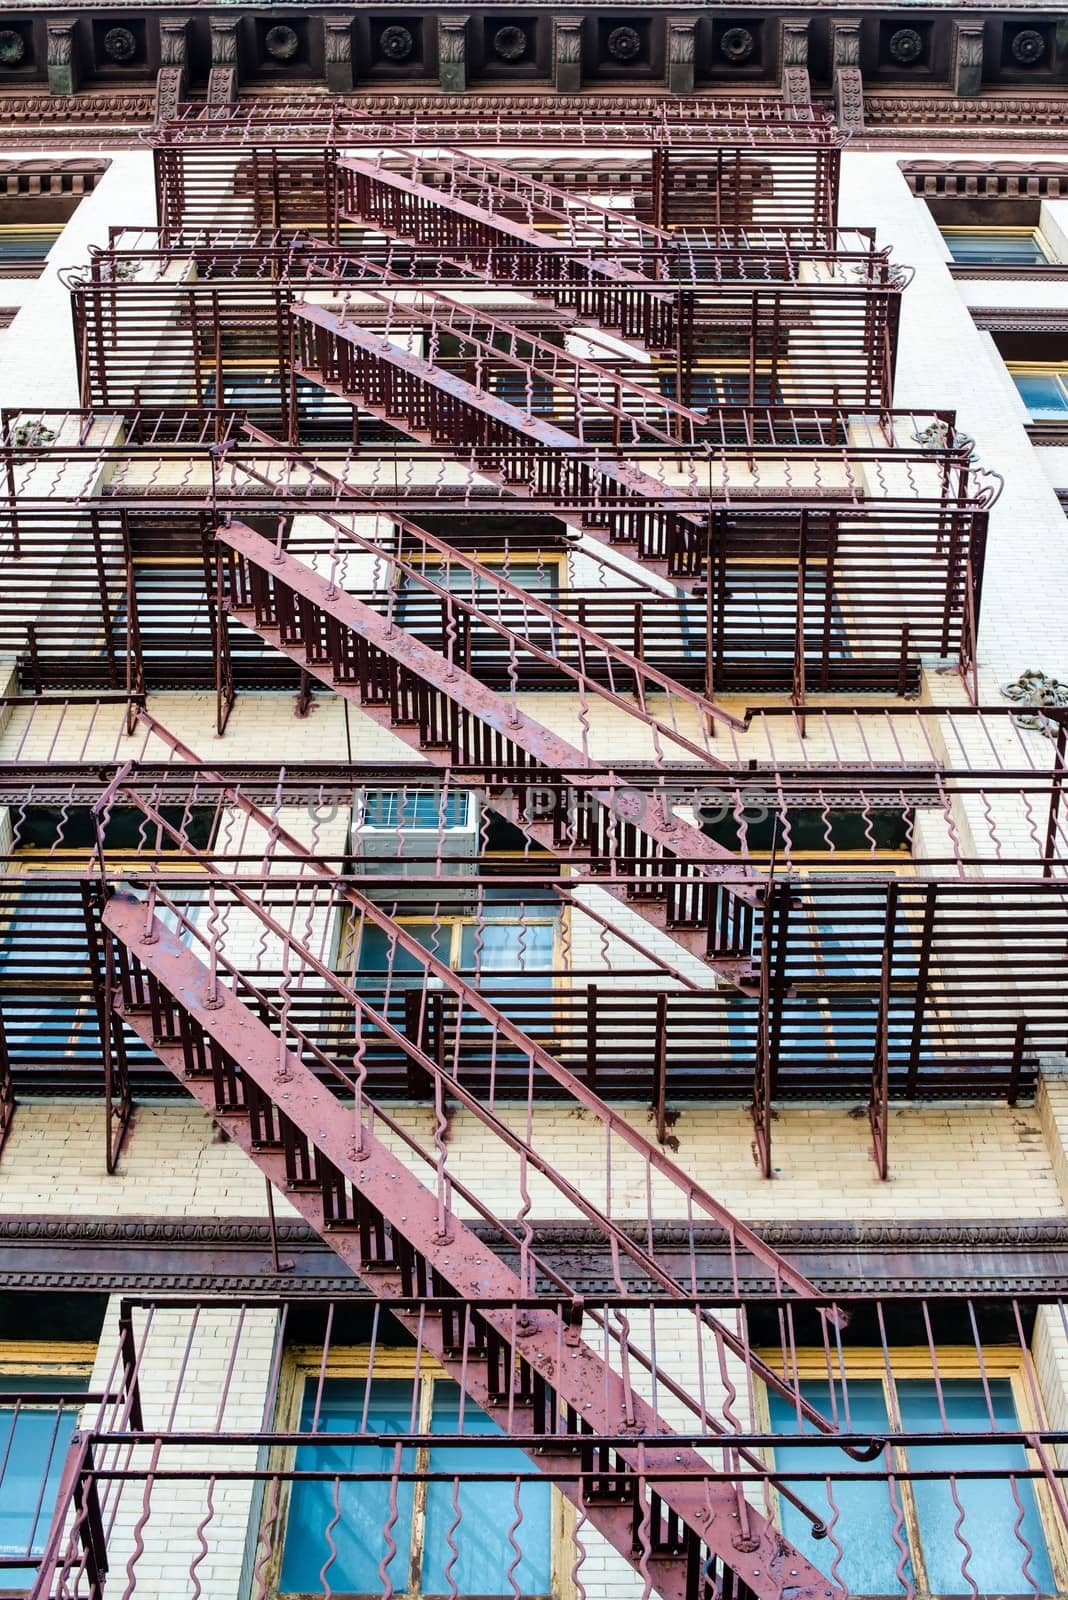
[
  {"x": 1048, "y": 433},
  {"x": 21, "y": 269},
  {"x": 1050, "y": 272}
]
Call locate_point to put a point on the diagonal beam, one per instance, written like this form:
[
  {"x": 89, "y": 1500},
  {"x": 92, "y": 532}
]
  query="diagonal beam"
[
  {"x": 684, "y": 849},
  {"x": 355, "y": 1193},
  {"x": 328, "y": 335}
]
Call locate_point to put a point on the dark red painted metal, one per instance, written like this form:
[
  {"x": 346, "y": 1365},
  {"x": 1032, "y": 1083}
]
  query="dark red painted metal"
[{"x": 275, "y": 1110}]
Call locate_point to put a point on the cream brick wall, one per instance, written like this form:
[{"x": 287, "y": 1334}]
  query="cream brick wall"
[
  {"x": 944, "y": 361},
  {"x": 947, "y": 1161},
  {"x": 198, "y": 1372},
  {"x": 28, "y": 377}
]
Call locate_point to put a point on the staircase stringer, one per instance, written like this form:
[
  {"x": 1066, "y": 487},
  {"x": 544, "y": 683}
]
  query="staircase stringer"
[
  {"x": 619, "y": 230},
  {"x": 678, "y": 839},
  {"x": 543, "y": 1349},
  {"x": 514, "y": 236},
  {"x": 695, "y": 1194},
  {"x": 629, "y": 480},
  {"x": 442, "y": 313},
  {"x": 578, "y": 634}
]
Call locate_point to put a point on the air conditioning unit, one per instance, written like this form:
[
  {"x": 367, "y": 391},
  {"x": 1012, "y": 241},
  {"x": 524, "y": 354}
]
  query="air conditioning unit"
[{"x": 404, "y": 833}]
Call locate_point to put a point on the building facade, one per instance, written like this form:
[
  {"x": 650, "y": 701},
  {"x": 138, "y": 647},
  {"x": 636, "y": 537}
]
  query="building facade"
[{"x": 533, "y": 737}]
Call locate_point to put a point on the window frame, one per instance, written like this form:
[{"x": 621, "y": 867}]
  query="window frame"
[
  {"x": 29, "y": 266},
  {"x": 1034, "y": 233},
  {"x": 454, "y": 922},
  {"x": 38, "y": 1358},
  {"x": 553, "y": 563},
  {"x": 302, "y": 1364},
  {"x": 815, "y": 1364},
  {"x": 1041, "y": 369}
]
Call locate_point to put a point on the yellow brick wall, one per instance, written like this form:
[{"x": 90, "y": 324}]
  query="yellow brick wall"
[{"x": 946, "y": 1161}]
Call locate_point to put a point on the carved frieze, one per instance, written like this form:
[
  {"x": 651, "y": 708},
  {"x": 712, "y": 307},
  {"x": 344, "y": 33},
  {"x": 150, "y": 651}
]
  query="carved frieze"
[
  {"x": 681, "y": 55},
  {"x": 62, "y": 67},
  {"x": 173, "y": 42},
  {"x": 13, "y": 50},
  {"x": 848, "y": 83},
  {"x": 796, "y": 88},
  {"x": 905, "y": 46},
  {"x": 967, "y": 75},
  {"x": 222, "y": 88},
  {"x": 232, "y": 1255},
  {"x": 737, "y": 45},
  {"x": 1027, "y": 47},
  {"x": 223, "y": 42},
  {"x": 396, "y": 43},
  {"x": 452, "y": 54},
  {"x": 282, "y": 43},
  {"x": 624, "y": 44},
  {"x": 170, "y": 92},
  {"x": 120, "y": 46},
  {"x": 510, "y": 43},
  {"x": 567, "y": 55},
  {"x": 337, "y": 54}
]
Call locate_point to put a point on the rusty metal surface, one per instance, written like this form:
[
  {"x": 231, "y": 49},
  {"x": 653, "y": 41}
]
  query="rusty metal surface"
[
  {"x": 279, "y": 1105},
  {"x": 132, "y": 1455}
]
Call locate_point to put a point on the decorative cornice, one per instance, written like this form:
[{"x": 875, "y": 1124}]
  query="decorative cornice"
[
  {"x": 33, "y": 109},
  {"x": 938, "y": 178},
  {"x": 937, "y": 7},
  {"x": 957, "y": 1234},
  {"x": 1014, "y": 114},
  {"x": 888, "y": 115},
  {"x": 996, "y": 319},
  {"x": 204, "y": 1255},
  {"x": 48, "y": 176},
  {"x": 1052, "y": 435}
]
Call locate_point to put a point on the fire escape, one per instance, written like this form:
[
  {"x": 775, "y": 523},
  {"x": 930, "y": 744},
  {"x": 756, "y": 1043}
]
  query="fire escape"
[{"x": 681, "y": 411}]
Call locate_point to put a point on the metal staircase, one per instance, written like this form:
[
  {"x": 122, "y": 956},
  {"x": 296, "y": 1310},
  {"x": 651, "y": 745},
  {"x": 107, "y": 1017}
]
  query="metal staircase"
[
  {"x": 449, "y": 717},
  {"x": 574, "y": 1398}
]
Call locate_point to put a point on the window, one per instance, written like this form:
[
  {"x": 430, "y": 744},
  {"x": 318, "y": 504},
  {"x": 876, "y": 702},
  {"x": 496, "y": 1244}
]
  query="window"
[
  {"x": 254, "y": 387},
  {"x": 423, "y": 810},
  {"x": 478, "y": 647},
  {"x": 46, "y": 991},
  {"x": 944, "y": 1534},
  {"x": 1024, "y": 247},
  {"x": 827, "y": 1016},
  {"x": 726, "y": 385},
  {"x": 753, "y": 618},
  {"x": 361, "y": 1516},
  {"x": 510, "y": 946},
  {"x": 39, "y": 1404},
  {"x": 1043, "y": 390},
  {"x": 24, "y": 246}
]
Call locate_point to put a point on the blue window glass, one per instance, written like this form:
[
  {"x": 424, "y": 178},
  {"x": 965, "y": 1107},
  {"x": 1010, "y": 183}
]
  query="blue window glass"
[
  {"x": 990, "y": 246},
  {"x": 508, "y": 951},
  {"x": 998, "y": 1549},
  {"x": 420, "y": 610},
  {"x": 863, "y": 1517},
  {"x": 491, "y": 1551},
  {"x": 34, "y": 1440},
  {"x": 501, "y": 1549},
  {"x": 359, "y": 1522},
  {"x": 24, "y": 247},
  {"x": 503, "y": 948},
  {"x": 321, "y": 415},
  {"x": 44, "y": 989},
  {"x": 998, "y": 1536},
  {"x": 1045, "y": 394}
]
